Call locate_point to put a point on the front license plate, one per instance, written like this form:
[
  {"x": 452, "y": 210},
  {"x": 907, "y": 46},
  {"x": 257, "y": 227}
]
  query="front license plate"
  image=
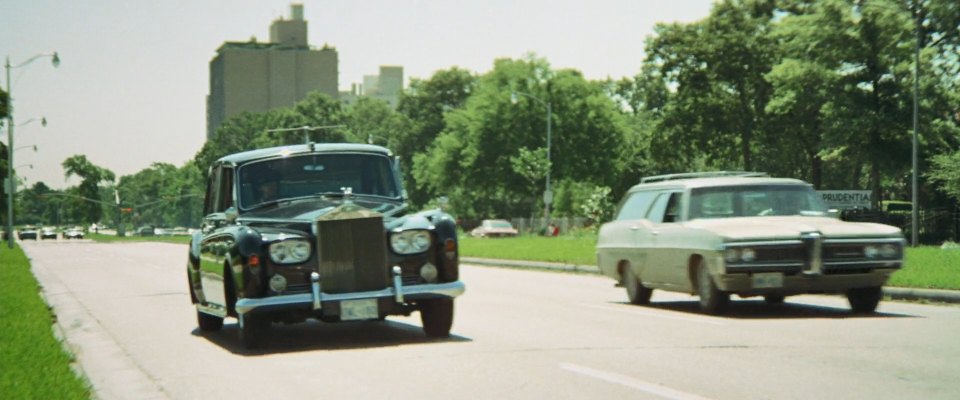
[
  {"x": 768, "y": 280},
  {"x": 359, "y": 309}
]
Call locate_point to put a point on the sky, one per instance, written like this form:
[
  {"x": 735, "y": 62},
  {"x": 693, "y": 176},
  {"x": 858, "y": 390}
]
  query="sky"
[{"x": 132, "y": 83}]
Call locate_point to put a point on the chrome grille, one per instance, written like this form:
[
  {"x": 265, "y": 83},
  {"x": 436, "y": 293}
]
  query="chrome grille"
[
  {"x": 813, "y": 243},
  {"x": 353, "y": 254}
]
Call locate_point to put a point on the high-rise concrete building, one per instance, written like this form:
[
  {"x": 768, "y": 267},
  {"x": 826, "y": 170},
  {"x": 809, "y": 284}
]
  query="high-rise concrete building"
[
  {"x": 386, "y": 86},
  {"x": 256, "y": 77}
]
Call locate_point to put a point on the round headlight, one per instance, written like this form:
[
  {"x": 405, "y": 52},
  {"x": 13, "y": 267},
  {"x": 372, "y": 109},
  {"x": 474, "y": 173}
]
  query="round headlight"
[
  {"x": 421, "y": 240},
  {"x": 278, "y": 283},
  {"x": 300, "y": 250},
  {"x": 870, "y": 251},
  {"x": 411, "y": 242},
  {"x": 400, "y": 243},
  {"x": 731, "y": 255},
  {"x": 290, "y": 251},
  {"x": 888, "y": 251},
  {"x": 428, "y": 272},
  {"x": 748, "y": 255}
]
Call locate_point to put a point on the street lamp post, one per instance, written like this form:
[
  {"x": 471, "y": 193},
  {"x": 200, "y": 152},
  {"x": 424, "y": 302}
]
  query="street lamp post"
[
  {"x": 11, "y": 184},
  {"x": 547, "y": 193}
]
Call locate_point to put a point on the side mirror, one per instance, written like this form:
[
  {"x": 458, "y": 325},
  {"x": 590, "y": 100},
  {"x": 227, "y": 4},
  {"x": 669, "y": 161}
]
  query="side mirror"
[{"x": 231, "y": 215}]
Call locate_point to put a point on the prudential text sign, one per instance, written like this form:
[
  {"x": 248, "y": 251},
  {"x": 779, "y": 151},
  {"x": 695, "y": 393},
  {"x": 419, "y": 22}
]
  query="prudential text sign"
[{"x": 845, "y": 199}]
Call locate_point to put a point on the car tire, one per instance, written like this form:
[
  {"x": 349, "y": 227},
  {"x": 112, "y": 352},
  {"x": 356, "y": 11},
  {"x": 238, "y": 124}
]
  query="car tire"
[
  {"x": 437, "y": 317},
  {"x": 774, "y": 298},
  {"x": 253, "y": 331},
  {"x": 864, "y": 300},
  {"x": 712, "y": 300},
  {"x": 209, "y": 323},
  {"x": 636, "y": 292}
]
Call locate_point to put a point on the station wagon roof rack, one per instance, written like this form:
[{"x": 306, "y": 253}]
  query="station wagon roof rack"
[{"x": 709, "y": 174}]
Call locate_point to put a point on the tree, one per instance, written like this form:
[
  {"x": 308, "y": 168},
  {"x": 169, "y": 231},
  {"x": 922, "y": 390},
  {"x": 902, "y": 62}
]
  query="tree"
[
  {"x": 470, "y": 161},
  {"x": 946, "y": 170},
  {"x": 91, "y": 176},
  {"x": 717, "y": 68},
  {"x": 4, "y": 106},
  {"x": 425, "y": 105},
  {"x": 373, "y": 121}
]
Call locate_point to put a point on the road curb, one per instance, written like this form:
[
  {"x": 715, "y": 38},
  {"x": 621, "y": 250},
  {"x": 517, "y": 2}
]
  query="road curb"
[
  {"x": 492, "y": 262},
  {"x": 896, "y": 293}
]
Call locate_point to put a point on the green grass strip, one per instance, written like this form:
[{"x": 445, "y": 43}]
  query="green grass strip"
[
  {"x": 113, "y": 238},
  {"x": 33, "y": 363},
  {"x": 929, "y": 268}
]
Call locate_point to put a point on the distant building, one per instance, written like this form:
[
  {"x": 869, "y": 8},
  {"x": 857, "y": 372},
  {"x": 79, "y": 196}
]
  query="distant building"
[
  {"x": 387, "y": 86},
  {"x": 257, "y": 77}
]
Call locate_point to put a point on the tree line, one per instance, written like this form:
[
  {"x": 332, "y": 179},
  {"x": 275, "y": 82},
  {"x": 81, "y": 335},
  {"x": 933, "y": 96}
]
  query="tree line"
[{"x": 816, "y": 90}]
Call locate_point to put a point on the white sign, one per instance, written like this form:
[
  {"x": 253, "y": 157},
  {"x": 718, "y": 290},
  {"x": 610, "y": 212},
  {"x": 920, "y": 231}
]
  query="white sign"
[{"x": 845, "y": 199}]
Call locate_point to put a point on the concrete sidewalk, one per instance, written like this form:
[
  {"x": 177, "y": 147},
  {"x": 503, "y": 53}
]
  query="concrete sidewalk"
[{"x": 896, "y": 293}]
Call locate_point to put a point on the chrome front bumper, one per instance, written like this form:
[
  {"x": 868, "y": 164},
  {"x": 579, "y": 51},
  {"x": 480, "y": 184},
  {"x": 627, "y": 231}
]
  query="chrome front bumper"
[{"x": 316, "y": 297}]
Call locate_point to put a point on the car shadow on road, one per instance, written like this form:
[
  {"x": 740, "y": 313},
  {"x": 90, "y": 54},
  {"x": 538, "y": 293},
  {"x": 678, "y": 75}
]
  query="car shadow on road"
[
  {"x": 758, "y": 309},
  {"x": 315, "y": 335}
]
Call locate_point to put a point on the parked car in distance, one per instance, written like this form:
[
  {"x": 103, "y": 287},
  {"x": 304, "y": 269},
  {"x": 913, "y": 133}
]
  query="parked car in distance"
[
  {"x": 146, "y": 230},
  {"x": 73, "y": 233},
  {"x": 28, "y": 232},
  {"x": 494, "y": 228},
  {"x": 48, "y": 232},
  {"x": 318, "y": 231},
  {"x": 723, "y": 233}
]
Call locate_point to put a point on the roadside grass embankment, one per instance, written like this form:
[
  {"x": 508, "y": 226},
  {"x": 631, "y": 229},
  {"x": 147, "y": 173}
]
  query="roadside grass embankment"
[
  {"x": 926, "y": 267},
  {"x": 33, "y": 363},
  {"x": 113, "y": 238}
]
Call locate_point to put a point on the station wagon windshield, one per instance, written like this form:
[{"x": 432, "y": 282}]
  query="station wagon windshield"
[
  {"x": 315, "y": 174},
  {"x": 754, "y": 200}
]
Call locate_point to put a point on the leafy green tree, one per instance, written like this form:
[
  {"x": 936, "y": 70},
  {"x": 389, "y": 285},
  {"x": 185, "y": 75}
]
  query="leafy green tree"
[
  {"x": 946, "y": 171},
  {"x": 90, "y": 178},
  {"x": 717, "y": 68},
  {"x": 249, "y": 131},
  {"x": 425, "y": 105},
  {"x": 531, "y": 165},
  {"x": 373, "y": 121},
  {"x": 470, "y": 161}
]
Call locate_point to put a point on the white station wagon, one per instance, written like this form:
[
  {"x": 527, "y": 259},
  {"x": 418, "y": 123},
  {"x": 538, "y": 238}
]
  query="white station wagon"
[{"x": 722, "y": 233}]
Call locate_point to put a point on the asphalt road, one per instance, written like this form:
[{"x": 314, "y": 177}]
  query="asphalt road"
[{"x": 125, "y": 311}]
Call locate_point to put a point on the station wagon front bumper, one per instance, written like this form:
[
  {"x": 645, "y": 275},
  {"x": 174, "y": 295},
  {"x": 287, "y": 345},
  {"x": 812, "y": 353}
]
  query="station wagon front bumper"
[
  {"x": 316, "y": 297},
  {"x": 743, "y": 284}
]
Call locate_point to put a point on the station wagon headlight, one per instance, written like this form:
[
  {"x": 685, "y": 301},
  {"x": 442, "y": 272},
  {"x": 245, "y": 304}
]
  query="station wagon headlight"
[
  {"x": 410, "y": 242},
  {"x": 290, "y": 251},
  {"x": 871, "y": 251},
  {"x": 888, "y": 251},
  {"x": 742, "y": 254},
  {"x": 731, "y": 255},
  {"x": 748, "y": 255}
]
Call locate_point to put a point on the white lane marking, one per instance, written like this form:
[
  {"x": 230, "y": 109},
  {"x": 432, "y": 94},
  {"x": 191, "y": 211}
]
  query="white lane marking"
[
  {"x": 651, "y": 388},
  {"x": 702, "y": 320}
]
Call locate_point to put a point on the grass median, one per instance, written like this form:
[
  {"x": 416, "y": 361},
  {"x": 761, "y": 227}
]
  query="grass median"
[
  {"x": 925, "y": 267},
  {"x": 33, "y": 362},
  {"x": 113, "y": 238}
]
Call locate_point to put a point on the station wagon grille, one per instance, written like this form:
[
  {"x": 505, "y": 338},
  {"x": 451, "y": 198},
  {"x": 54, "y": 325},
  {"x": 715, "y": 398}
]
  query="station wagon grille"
[
  {"x": 814, "y": 255},
  {"x": 353, "y": 254}
]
